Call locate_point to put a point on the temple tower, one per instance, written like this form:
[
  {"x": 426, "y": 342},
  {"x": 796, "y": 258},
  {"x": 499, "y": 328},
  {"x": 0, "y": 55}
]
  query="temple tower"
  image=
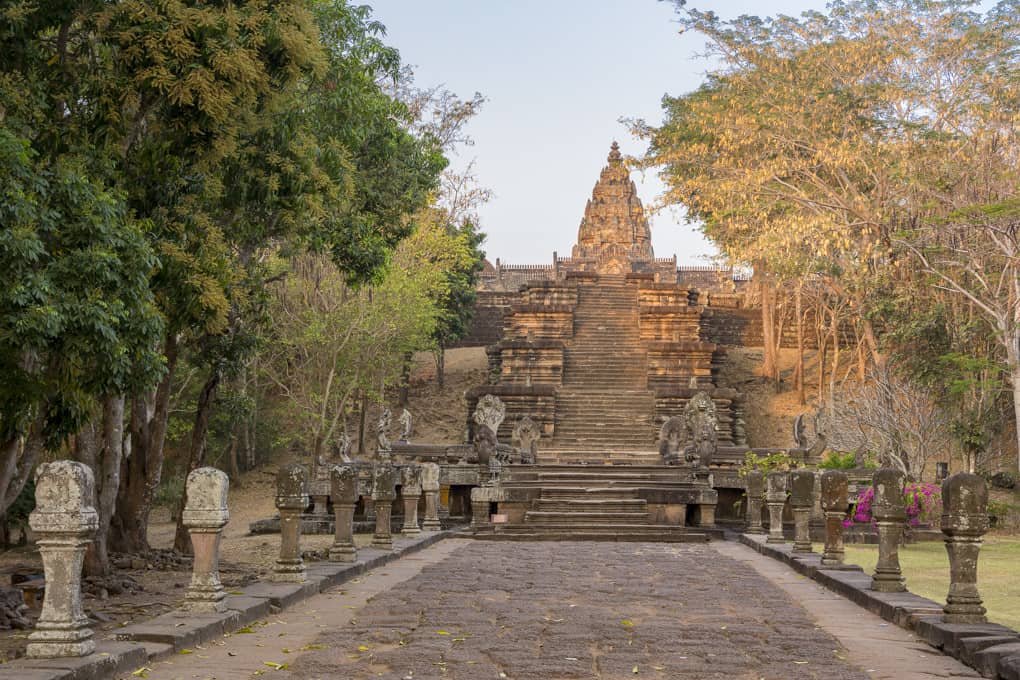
[{"x": 614, "y": 233}]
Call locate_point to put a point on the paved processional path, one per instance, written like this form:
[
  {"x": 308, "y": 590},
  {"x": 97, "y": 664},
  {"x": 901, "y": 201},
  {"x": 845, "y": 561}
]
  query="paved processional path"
[{"x": 543, "y": 610}]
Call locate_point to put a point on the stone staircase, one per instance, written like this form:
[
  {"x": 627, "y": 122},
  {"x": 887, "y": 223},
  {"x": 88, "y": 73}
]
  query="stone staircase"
[
  {"x": 592, "y": 504},
  {"x": 604, "y": 405}
]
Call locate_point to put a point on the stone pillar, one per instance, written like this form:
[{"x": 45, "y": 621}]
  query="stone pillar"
[
  {"x": 205, "y": 515},
  {"x": 65, "y": 523},
  {"x": 964, "y": 522},
  {"x": 430, "y": 487},
  {"x": 343, "y": 490},
  {"x": 890, "y": 512},
  {"x": 291, "y": 501},
  {"x": 802, "y": 492},
  {"x": 775, "y": 498},
  {"x": 384, "y": 492},
  {"x": 481, "y": 498},
  {"x": 834, "y": 503},
  {"x": 755, "y": 481},
  {"x": 411, "y": 490}
]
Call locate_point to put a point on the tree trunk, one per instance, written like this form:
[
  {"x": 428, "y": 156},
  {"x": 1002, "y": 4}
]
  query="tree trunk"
[
  {"x": 233, "y": 469},
  {"x": 143, "y": 468},
  {"x": 1014, "y": 376},
  {"x": 798, "y": 373},
  {"x": 107, "y": 457},
  {"x": 361, "y": 423},
  {"x": 17, "y": 461},
  {"x": 196, "y": 455},
  {"x": 403, "y": 393},
  {"x": 441, "y": 367},
  {"x": 770, "y": 363}
]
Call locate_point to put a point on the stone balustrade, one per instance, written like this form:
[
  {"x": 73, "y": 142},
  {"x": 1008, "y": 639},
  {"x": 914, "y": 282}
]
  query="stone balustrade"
[
  {"x": 755, "y": 492},
  {"x": 291, "y": 500},
  {"x": 775, "y": 498},
  {"x": 834, "y": 502},
  {"x": 384, "y": 492},
  {"x": 964, "y": 522},
  {"x": 802, "y": 501},
  {"x": 890, "y": 512},
  {"x": 343, "y": 481},
  {"x": 205, "y": 515},
  {"x": 65, "y": 522}
]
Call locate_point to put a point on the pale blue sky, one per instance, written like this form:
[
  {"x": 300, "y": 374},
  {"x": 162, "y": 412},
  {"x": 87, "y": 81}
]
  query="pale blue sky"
[{"x": 558, "y": 75}]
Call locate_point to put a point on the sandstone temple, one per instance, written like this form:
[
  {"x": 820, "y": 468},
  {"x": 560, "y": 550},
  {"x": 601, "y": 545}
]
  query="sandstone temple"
[
  {"x": 605, "y": 354},
  {"x": 605, "y": 415}
]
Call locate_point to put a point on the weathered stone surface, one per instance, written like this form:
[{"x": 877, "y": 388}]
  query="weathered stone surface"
[
  {"x": 430, "y": 487},
  {"x": 701, "y": 423},
  {"x": 802, "y": 491},
  {"x": 411, "y": 489},
  {"x": 64, "y": 522},
  {"x": 525, "y": 437},
  {"x": 671, "y": 439},
  {"x": 890, "y": 512},
  {"x": 383, "y": 448},
  {"x": 964, "y": 522},
  {"x": 384, "y": 492},
  {"x": 506, "y": 610},
  {"x": 755, "y": 492},
  {"x": 291, "y": 501},
  {"x": 344, "y": 493},
  {"x": 834, "y": 501},
  {"x": 406, "y": 425},
  {"x": 205, "y": 515},
  {"x": 775, "y": 498}
]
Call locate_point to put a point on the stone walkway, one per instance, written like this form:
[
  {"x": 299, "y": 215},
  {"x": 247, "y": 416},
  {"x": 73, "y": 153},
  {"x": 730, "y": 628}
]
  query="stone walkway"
[
  {"x": 580, "y": 610},
  {"x": 547, "y": 611}
]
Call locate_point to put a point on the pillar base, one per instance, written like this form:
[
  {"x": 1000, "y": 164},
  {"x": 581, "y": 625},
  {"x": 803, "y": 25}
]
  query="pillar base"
[
  {"x": 431, "y": 525},
  {"x": 343, "y": 553},
  {"x": 289, "y": 571},
  {"x": 60, "y": 643},
  {"x": 892, "y": 582},
  {"x": 382, "y": 542},
  {"x": 410, "y": 531}
]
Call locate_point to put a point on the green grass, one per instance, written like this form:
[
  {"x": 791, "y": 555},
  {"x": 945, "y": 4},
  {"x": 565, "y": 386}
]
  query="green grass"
[{"x": 926, "y": 568}]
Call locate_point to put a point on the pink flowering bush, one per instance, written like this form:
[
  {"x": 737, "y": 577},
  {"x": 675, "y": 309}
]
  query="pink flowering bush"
[{"x": 924, "y": 503}]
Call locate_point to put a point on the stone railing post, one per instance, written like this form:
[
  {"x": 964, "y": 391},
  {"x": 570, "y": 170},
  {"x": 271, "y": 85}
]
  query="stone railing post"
[
  {"x": 291, "y": 501},
  {"x": 205, "y": 515},
  {"x": 755, "y": 481},
  {"x": 834, "y": 501},
  {"x": 430, "y": 487},
  {"x": 65, "y": 523},
  {"x": 384, "y": 492},
  {"x": 802, "y": 500},
  {"x": 890, "y": 512},
  {"x": 775, "y": 498},
  {"x": 343, "y": 491},
  {"x": 411, "y": 491},
  {"x": 481, "y": 502},
  {"x": 964, "y": 522}
]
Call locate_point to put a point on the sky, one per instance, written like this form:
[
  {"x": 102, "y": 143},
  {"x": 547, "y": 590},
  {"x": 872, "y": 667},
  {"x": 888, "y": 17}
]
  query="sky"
[{"x": 558, "y": 76}]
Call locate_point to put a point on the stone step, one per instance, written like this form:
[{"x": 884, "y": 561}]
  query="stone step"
[
  {"x": 584, "y": 519},
  {"x": 587, "y": 493},
  {"x": 621, "y": 533},
  {"x": 572, "y": 505}
]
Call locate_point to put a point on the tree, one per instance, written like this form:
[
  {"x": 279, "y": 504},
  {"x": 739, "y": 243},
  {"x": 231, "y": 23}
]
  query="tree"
[
  {"x": 977, "y": 256},
  {"x": 818, "y": 140}
]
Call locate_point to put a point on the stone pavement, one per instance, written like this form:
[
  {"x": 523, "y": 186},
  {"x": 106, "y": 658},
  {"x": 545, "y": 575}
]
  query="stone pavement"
[{"x": 472, "y": 609}]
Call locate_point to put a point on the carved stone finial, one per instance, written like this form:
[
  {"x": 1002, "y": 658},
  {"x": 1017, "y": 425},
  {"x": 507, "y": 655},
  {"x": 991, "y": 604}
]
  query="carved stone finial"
[
  {"x": 490, "y": 412},
  {"x": 614, "y": 153}
]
